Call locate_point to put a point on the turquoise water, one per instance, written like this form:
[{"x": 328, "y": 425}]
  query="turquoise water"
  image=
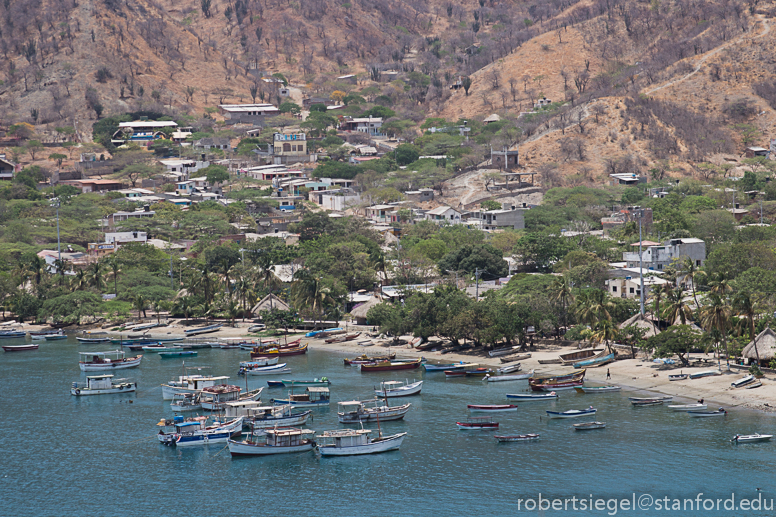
[{"x": 63, "y": 455}]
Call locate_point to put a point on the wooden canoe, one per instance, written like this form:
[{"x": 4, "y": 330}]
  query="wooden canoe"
[
  {"x": 513, "y": 358},
  {"x": 580, "y": 355}
]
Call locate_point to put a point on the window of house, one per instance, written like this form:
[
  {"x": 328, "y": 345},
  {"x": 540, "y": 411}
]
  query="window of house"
[
  {"x": 614, "y": 288},
  {"x": 286, "y": 148},
  {"x": 631, "y": 290},
  {"x": 697, "y": 262}
]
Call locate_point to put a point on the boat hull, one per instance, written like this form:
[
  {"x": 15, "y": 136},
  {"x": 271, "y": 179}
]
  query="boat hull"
[
  {"x": 596, "y": 361},
  {"x": 751, "y": 438},
  {"x": 202, "y": 439},
  {"x": 517, "y": 438},
  {"x": 589, "y": 426},
  {"x": 404, "y": 391},
  {"x": 248, "y": 449},
  {"x": 578, "y": 414},
  {"x": 285, "y": 421},
  {"x": 392, "y": 413},
  {"x": 114, "y": 365},
  {"x": 500, "y": 408},
  {"x": 389, "y": 443},
  {"x": 600, "y": 389},
  {"x": 528, "y": 397},
  {"x": 380, "y": 367},
  {"x": 509, "y": 378},
  {"x": 19, "y": 348},
  {"x": 125, "y": 388},
  {"x": 465, "y": 426}
]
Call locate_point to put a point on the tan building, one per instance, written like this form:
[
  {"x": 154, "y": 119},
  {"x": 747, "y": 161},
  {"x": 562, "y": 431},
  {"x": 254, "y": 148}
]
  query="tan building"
[{"x": 290, "y": 144}]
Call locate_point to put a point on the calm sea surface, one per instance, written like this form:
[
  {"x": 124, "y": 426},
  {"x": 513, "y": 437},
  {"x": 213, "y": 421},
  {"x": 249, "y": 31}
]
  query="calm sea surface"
[{"x": 62, "y": 455}]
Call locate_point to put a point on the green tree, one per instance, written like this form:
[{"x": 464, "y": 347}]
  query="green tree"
[
  {"x": 469, "y": 258},
  {"x": 289, "y": 107},
  {"x": 58, "y": 157},
  {"x": 215, "y": 174},
  {"x": 33, "y": 146},
  {"x": 137, "y": 171},
  {"x": 466, "y": 82},
  {"x": 490, "y": 205},
  {"x": 715, "y": 315},
  {"x": 406, "y": 154},
  {"x": 71, "y": 308},
  {"x": 678, "y": 340},
  {"x": 745, "y": 308}
]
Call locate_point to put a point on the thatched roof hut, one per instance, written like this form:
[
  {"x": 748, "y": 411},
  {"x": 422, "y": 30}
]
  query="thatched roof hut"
[
  {"x": 641, "y": 322},
  {"x": 359, "y": 312},
  {"x": 766, "y": 346},
  {"x": 269, "y": 302}
]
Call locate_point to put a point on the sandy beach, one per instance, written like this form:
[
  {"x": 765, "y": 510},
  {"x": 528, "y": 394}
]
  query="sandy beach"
[{"x": 638, "y": 375}]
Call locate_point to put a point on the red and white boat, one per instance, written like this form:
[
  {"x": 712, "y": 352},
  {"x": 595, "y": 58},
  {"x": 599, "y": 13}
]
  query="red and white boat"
[
  {"x": 19, "y": 348},
  {"x": 491, "y": 408},
  {"x": 113, "y": 360},
  {"x": 517, "y": 438},
  {"x": 476, "y": 423},
  {"x": 559, "y": 386},
  {"x": 455, "y": 373}
]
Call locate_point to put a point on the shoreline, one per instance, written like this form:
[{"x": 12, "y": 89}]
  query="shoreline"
[{"x": 636, "y": 375}]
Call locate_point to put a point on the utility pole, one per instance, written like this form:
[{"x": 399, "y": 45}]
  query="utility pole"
[
  {"x": 56, "y": 204},
  {"x": 761, "y": 212},
  {"x": 640, "y": 213},
  {"x": 477, "y": 273}
]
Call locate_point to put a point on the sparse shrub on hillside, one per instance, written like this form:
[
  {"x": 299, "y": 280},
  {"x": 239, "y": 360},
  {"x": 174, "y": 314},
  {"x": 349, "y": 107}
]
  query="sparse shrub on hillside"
[
  {"x": 740, "y": 109},
  {"x": 767, "y": 90}
]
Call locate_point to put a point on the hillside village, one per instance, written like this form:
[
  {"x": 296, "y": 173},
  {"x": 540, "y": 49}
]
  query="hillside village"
[{"x": 607, "y": 195}]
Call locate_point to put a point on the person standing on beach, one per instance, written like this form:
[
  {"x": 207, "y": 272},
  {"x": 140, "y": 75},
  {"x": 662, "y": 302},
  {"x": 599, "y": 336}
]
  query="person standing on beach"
[{"x": 608, "y": 375}]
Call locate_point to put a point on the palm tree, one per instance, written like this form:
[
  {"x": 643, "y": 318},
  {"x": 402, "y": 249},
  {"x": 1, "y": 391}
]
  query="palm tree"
[
  {"x": 716, "y": 316},
  {"x": 37, "y": 267},
  {"x": 95, "y": 275},
  {"x": 560, "y": 291},
  {"x": 185, "y": 305},
  {"x": 720, "y": 285},
  {"x": 203, "y": 277},
  {"x": 744, "y": 307},
  {"x": 80, "y": 280},
  {"x": 692, "y": 273},
  {"x": 115, "y": 269},
  {"x": 140, "y": 303},
  {"x": 593, "y": 306},
  {"x": 677, "y": 307},
  {"x": 307, "y": 291},
  {"x": 267, "y": 277},
  {"x": 605, "y": 331}
]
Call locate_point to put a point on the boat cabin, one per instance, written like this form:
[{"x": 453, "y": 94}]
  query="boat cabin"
[
  {"x": 243, "y": 408},
  {"x": 200, "y": 382},
  {"x": 287, "y": 437},
  {"x": 100, "y": 382},
  {"x": 346, "y": 437},
  {"x": 102, "y": 357},
  {"x": 311, "y": 394},
  {"x": 214, "y": 397}
]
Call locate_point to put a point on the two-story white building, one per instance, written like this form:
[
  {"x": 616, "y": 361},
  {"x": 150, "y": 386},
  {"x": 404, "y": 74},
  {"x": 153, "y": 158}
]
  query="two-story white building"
[
  {"x": 500, "y": 219},
  {"x": 369, "y": 125},
  {"x": 661, "y": 256}
]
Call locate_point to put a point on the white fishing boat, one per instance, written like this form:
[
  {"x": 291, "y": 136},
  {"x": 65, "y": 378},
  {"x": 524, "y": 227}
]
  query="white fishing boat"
[
  {"x": 687, "y": 407},
  {"x": 196, "y": 431},
  {"x": 269, "y": 370},
  {"x": 393, "y": 389},
  {"x": 102, "y": 385},
  {"x": 259, "y": 362},
  {"x": 597, "y": 389},
  {"x": 267, "y": 417},
  {"x": 353, "y": 442},
  {"x": 516, "y": 437},
  {"x": 744, "y": 381},
  {"x": 587, "y": 426},
  {"x": 93, "y": 339},
  {"x": 707, "y": 414},
  {"x": 751, "y": 438},
  {"x": 510, "y": 369},
  {"x": 665, "y": 398},
  {"x": 530, "y": 396},
  {"x": 707, "y": 373},
  {"x": 190, "y": 384},
  {"x": 509, "y": 377},
  {"x": 356, "y": 411},
  {"x": 113, "y": 360},
  {"x": 275, "y": 441},
  {"x": 186, "y": 402},
  {"x": 572, "y": 413},
  {"x": 214, "y": 398}
]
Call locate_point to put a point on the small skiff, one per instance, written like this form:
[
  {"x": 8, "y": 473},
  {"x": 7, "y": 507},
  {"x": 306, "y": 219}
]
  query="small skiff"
[
  {"x": 705, "y": 414},
  {"x": 531, "y": 396},
  {"x": 508, "y": 377},
  {"x": 678, "y": 377},
  {"x": 648, "y": 402},
  {"x": 688, "y": 407},
  {"x": 587, "y": 426},
  {"x": 491, "y": 408},
  {"x": 477, "y": 424},
  {"x": 20, "y": 348},
  {"x": 517, "y": 438},
  {"x": 751, "y": 438},
  {"x": 598, "y": 389},
  {"x": 572, "y": 413}
]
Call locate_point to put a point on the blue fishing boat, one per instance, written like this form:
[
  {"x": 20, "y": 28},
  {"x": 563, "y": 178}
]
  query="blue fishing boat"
[
  {"x": 595, "y": 361},
  {"x": 177, "y": 353},
  {"x": 55, "y": 337},
  {"x": 449, "y": 367},
  {"x": 275, "y": 384},
  {"x": 9, "y": 334},
  {"x": 316, "y": 332}
]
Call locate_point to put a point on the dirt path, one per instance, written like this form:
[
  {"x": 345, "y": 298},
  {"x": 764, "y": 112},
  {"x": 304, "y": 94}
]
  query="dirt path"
[{"x": 709, "y": 55}]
